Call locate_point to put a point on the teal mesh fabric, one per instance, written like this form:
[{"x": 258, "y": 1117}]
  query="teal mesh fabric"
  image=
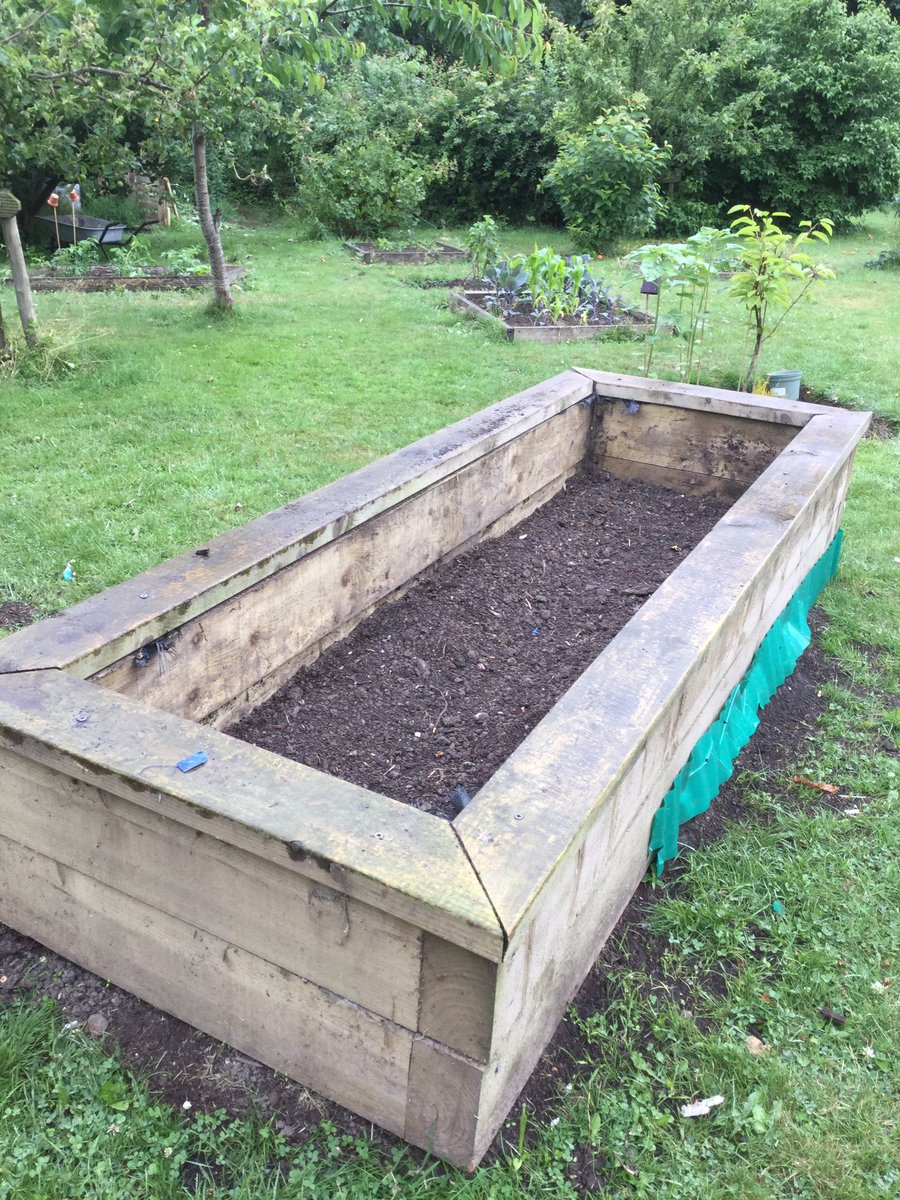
[{"x": 712, "y": 759}]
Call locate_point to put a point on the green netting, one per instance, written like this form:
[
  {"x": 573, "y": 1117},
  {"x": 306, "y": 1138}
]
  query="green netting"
[{"x": 712, "y": 760}]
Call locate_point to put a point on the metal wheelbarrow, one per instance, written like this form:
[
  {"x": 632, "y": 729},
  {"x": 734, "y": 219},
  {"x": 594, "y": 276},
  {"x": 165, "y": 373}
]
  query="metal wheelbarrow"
[{"x": 92, "y": 229}]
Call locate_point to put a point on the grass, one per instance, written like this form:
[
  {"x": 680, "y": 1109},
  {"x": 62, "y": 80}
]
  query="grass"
[{"x": 173, "y": 426}]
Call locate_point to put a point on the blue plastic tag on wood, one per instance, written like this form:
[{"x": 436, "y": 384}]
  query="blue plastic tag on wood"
[
  {"x": 712, "y": 760},
  {"x": 193, "y": 761}
]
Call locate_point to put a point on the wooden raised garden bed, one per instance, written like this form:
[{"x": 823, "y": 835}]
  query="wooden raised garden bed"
[
  {"x": 409, "y": 966},
  {"x": 371, "y": 252},
  {"x": 103, "y": 278},
  {"x": 524, "y": 330}
]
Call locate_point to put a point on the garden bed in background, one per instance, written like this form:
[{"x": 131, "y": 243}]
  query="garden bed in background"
[
  {"x": 371, "y": 252},
  {"x": 107, "y": 277},
  {"x": 523, "y": 325}
]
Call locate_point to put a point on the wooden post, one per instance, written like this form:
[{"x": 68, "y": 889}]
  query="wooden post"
[{"x": 9, "y": 206}]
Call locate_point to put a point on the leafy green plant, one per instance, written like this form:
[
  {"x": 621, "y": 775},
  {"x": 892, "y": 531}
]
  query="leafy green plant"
[
  {"x": 554, "y": 288},
  {"x": 776, "y": 273},
  {"x": 483, "y": 246},
  {"x": 507, "y": 287},
  {"x": 554, "y": 293},
  {"x": 685, "y": 271},
  {"x": 183, "y": 262},
  {"x": 77, "y": 259},
  {"x": 606, "y": 179},
  {"x": 887, "y": 260}
]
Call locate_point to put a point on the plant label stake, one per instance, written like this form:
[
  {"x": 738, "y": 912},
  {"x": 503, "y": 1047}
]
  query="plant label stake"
[
  {"x": 73, "y": 200},
  {"x": 53, "y": 201}
]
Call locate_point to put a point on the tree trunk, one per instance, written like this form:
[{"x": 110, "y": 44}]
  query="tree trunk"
[
  {"x": 750, "y": 381},
  {"x": 221, "y": 290}
]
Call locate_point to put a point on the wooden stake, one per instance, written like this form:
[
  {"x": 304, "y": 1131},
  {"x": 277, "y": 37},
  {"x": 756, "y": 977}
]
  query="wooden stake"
[{"x": 9, "y": 206}]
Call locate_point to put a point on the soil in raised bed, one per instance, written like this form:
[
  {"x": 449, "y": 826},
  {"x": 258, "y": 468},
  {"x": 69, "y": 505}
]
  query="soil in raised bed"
[
  {"x": 435, "y": 690},
  {"x": 105, "y": 277},
  {"x": 523, "y": 315}
]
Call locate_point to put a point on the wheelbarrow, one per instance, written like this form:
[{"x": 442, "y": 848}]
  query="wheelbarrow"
[{"x": 92, "y": 229}]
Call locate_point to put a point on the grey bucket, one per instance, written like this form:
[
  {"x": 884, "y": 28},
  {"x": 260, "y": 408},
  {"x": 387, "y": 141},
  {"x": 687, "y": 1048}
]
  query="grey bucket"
[{"x": 786, "y": 384}]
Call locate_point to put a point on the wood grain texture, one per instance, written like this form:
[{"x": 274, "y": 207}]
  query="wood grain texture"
[
  {"x": 732, "y": 448},
  {"x": 89, "y": 636},
  {"x": 313, "y": 931},
  {"x": 387, "y": 854},
  {"x": 716, "y": 605},
  {"x": 442, "y": 1113},
  {"x": 472, "y": 303},
  {"x": 685, "y": 395},
  {"x": 332, "y": 1045},
  {"x": 577, "y": 903},
  {"x": 235, "y": 654},
  {"x": 456, "y": 997},
  {"x": 689, "y": 482}
]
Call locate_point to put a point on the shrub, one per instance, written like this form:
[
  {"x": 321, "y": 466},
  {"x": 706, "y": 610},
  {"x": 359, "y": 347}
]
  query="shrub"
[
  {"x": 794, "y": 105},
  {"x": 367, "y": 159},
  {"x": 364, "y": 188},
  {"x": 606, "y": 180},
  {"x": 496, "y": 137}
]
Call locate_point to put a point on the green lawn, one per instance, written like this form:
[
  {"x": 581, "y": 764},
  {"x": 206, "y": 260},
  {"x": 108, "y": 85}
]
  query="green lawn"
[{"x": 173, "y": 426}]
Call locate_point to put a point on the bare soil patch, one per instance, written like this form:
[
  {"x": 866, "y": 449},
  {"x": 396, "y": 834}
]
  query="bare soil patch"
[{"x": 434, "y": 691}]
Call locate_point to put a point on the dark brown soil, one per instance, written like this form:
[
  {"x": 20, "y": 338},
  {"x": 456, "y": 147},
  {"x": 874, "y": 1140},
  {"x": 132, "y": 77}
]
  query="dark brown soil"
[
  {"x": 104, "y": 278},
  {"x": 14, "y": 614},
  {"x": 433, "y": 692},
  {"x": 182, "y": 1064}
]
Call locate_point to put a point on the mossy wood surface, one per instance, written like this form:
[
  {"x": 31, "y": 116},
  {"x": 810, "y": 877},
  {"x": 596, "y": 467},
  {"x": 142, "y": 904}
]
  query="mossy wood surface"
[{"x": 409, "y": 967}]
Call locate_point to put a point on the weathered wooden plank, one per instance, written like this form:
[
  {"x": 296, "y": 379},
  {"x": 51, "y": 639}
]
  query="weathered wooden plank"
[
  {"x": 364, "y": 845},
  {"x": 687, "y": 482},
  {"x": 332, "y": 1045},
  {"x": 688, "y": 440},
  {"x": 472, "y": 303},
  {"x": 444, "y": 1100},
  {"x": 456, "y": 1004},
  {"x": 685, "y": 395},
  {"x": 563, "y": 770},
  {"x": 531, "y": 1002},
  {"x": 235, "y": 654},
  {"x": 99, "y": 631},
  {"x": 578, "y": 903},
  {"x": 313, "y": 931}
]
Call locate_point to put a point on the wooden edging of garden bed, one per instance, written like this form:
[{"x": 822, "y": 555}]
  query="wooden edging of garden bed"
[
  {"x": 370, "y": 252},
  {"x": 409, "y": 967},
  {"x": 102, "y": 279},
  {"x": 472, "y": 303}
]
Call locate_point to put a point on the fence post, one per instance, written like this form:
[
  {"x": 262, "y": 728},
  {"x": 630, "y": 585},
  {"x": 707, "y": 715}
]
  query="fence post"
[{"x": 9, "y": 206}]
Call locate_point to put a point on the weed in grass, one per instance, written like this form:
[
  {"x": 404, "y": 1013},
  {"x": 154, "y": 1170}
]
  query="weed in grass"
[{"x": 63, "y": 352}]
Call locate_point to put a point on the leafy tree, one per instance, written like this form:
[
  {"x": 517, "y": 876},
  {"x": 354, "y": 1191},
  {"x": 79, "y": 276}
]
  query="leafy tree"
[
  {"x": 795, "y": 105},
  {"x": 496, "y": 134},
  {"x": 214, "y": 70},
  {"x": 58, "y": 119}
]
